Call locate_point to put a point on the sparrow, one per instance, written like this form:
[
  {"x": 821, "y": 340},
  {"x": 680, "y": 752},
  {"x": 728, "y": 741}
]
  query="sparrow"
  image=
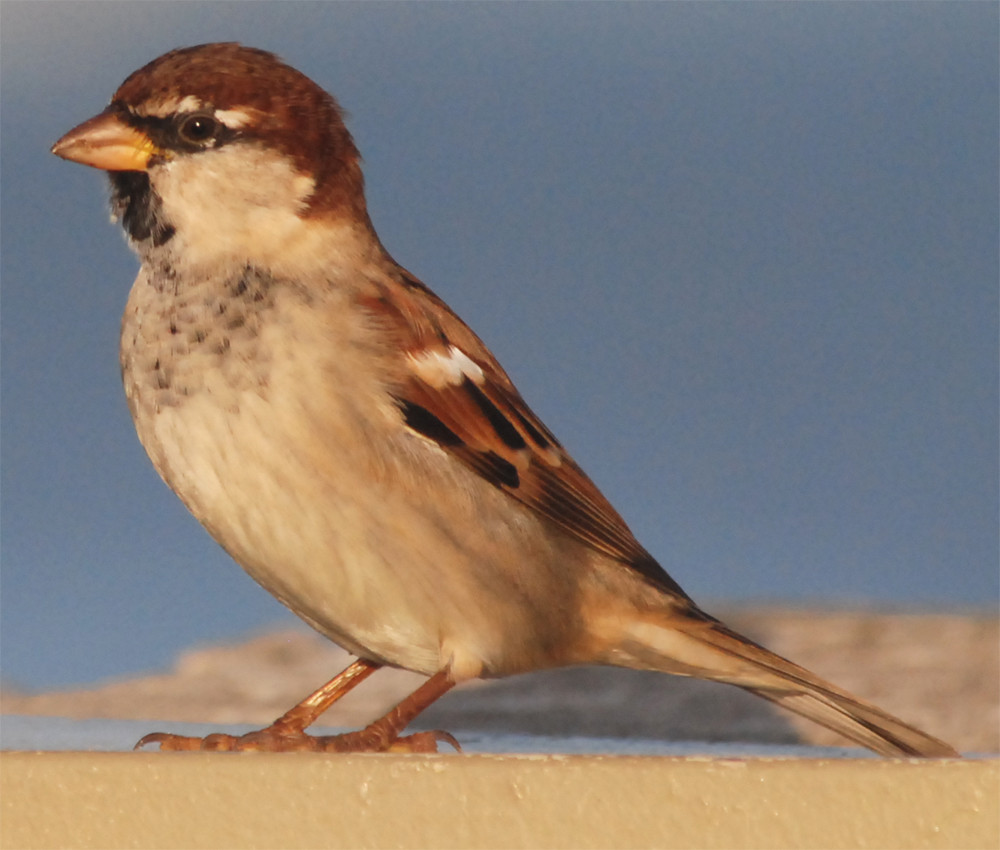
[{"x": 352, "y": 443}]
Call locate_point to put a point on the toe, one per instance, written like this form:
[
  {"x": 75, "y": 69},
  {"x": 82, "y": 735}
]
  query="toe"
[{"x": 167, "y": 742}]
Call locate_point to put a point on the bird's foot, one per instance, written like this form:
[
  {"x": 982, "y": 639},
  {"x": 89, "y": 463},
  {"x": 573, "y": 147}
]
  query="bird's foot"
[
  {"x": 287, "y": 733},
  {"x": 275, "y": 739}
]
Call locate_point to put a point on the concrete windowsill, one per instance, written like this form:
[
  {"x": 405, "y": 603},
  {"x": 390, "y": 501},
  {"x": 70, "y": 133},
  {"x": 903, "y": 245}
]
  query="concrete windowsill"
[{"x": 192, "y": 800}]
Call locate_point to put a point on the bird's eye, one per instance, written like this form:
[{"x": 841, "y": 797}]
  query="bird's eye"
[{"x": 198, "y": 129}]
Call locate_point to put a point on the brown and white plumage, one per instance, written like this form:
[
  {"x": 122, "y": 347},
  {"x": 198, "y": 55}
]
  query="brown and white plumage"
[{"x": 350, "y": 441}]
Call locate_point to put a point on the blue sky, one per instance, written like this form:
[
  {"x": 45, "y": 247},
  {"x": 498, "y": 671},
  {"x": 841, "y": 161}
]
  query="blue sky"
[{"x": 742, "y": 259}]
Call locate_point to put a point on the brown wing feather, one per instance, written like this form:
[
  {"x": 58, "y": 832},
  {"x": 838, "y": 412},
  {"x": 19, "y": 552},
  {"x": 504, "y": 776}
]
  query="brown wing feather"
[{"x": 457, "y": 394}]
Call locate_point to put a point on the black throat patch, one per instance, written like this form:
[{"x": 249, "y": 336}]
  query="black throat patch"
[{"x": 139, "y": 208}]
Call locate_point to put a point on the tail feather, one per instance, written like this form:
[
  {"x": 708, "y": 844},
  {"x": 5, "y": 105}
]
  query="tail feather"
[
  {"x": 706, "y": 648},
  {"x": 862, "y": 723}
]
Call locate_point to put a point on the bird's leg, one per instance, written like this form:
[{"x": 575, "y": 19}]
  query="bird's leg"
[
  {"x": 383, "y": 735},
  {"x": 287, "y": 733}
]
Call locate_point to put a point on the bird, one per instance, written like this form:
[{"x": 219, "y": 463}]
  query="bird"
[{"x": 352, "y": 443}]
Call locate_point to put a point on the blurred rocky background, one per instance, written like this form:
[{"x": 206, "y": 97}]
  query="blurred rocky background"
[{"x": 940, "y": 672}]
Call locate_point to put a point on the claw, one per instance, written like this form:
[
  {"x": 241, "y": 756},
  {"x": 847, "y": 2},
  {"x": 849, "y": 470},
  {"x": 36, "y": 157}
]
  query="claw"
[
  {"x": 438, "y": 735},
  {"x": 170, "y": 742}
]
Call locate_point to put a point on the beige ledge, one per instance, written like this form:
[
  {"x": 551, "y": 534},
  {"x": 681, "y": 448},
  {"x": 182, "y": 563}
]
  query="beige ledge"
[{"x": 194, "y": 800}]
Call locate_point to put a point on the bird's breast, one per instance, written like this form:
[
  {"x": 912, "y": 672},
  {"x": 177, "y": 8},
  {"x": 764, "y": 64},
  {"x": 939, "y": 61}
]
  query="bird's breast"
[{"x": 267, "y": 411}]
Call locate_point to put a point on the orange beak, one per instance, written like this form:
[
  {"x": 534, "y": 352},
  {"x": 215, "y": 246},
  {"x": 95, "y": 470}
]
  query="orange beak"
[{"x": 106, "y": 142}]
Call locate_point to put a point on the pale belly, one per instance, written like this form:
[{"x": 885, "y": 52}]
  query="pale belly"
[{"x": 336, "y": 510}]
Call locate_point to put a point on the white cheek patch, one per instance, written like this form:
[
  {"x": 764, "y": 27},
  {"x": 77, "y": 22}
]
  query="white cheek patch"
[
  {"x": 241, "y": 201},
  {"x": 445, "y": 368},
  {"x": 302, "y": 188}
]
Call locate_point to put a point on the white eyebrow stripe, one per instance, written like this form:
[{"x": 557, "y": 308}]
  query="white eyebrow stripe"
[
  {"x": 233, "y": 118},
  {"x": 168, "y": 106},
  {"x": 445, "y": 368},
  {"x": 189, "y": 104}
]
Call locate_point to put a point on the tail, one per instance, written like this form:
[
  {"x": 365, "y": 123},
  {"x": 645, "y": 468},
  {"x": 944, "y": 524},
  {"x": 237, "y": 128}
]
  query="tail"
[{"x": 692, "y": 643}]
